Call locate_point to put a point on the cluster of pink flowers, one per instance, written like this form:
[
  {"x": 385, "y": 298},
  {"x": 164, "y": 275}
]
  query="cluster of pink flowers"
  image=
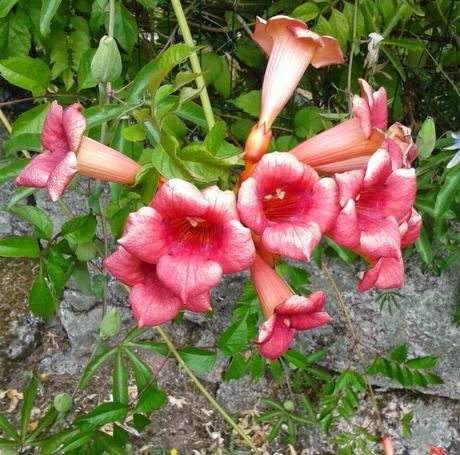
[{"x": 353, "y": 183}]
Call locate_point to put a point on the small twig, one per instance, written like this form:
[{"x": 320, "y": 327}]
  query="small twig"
[
  {"x": 66, "y": 208},
  {"x": 357, "y": 345},
  {"x": 205, "y": 393},
  {"x": 49, "y": 95}
]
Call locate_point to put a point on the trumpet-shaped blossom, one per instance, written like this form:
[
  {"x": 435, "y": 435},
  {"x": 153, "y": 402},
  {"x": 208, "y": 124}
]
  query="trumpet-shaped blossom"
[
  {"x": 68, "y": 152},
  {"x": 285, "y": 311},
  {"x": 288, "y": 205},
  {"x": 291, "y": 47},
  {"x": 377, "y": 218},
  {"x": 349, "y": 145},
  {"x": 435, "y": 450},
  {"x": 187, "y": 239},
  {"x": 401, "y": 146}
]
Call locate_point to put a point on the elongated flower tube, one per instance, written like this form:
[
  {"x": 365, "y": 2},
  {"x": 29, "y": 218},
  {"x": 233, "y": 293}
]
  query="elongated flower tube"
[
  {"x": 377, "y": 214},
  {"x": 349, "y": 145},
  {"x": 288, "y": 205},
  {"x": 291, "y": 47},
  {"x": 387, "y": 446},
  {"x": 435, "y": 450},
  {"x": 68, "y": 152},
  {"x": 285, "y": 311},
  {"x": 192, "y": 237}
]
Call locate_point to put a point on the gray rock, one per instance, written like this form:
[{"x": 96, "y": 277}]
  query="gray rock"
[
  {"x": 78, "y": 301},
  {"x": 25, "y": 337},
  {"x": 239, "y": 395},
  {"x": 424, "y": 321}
]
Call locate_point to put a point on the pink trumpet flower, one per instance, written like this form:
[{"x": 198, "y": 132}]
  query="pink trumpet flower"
[
  {"x": 285, "y": 311},
  {"x": 401, "y": 145},
  {"x": 68, "y": 152},
  {"x": 291, "y": 47},
  {"x": 288, "y": 205},
  {"x": 377, "y": 218},
  {"x": 435, "y": 450},
  {"x": 349, "y": 145},
  {"x": 187, "y": 238}
]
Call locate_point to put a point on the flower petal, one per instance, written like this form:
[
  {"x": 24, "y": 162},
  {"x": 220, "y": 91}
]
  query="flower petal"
[
  {"x": 188, "y": 275},
  {"x": 380, "y": 236},
  {"x": 378, "y": 168},
  {"x": 250, "y": 207},
  {"x": 291, "y": 240},
  {"x": 236, "y": 251},
  {"x": 349, "y": 184},
  {"x": 386, "y": 273},
  {"x": 126, "y": 267},
  {"x": 178, "y": 198},
  {"x": 145, "y": 235},
  {"x": 152, "y": 302},
  {"x": 74, "y": 124},
  {"x": 310, "y": 320},
  {"x": 53, "y": 134},
  {"x": 414, "y": 225},
  {"x": 327, "y": 54},
  {"x": 222, "y": 204},
  {"x": 38, "y": 170},
  {"x": 398, "y": 195},
  {"x": 346, "y": 231},
  {"x": 199, "y": 303},
  {"x": 275, "y": 338},
  {"x": 61, "y": 176},
  {"x": 298, "y": 304},
  {"x": 324, "y": 206}
]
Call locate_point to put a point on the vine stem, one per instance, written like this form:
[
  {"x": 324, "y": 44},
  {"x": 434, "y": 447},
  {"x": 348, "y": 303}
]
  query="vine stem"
[
  {"x": 6, "y": 123},
  {"x": 205, "y": 393},
  {"x": 357, "y": 344},
  {"x": 350, "y": 63},
  {"x": 194, "y": 61}
]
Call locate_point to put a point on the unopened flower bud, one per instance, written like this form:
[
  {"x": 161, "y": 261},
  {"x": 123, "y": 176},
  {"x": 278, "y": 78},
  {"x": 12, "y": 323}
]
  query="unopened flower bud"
[
  {"x": 257, "y": 143},
  {"x": 110, "y": 324},
  {"x": 106, "y": 64},
  {"x": 63, "y": 402}
]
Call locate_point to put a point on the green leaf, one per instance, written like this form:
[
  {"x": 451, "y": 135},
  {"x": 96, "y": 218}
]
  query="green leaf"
[
  {"x": 93, "y": 365},
  {"x": 108, "y": 443},
  {"x": 306, "y": 12},
  {"x": 79, "y": 229},
  {"x": 395, "y": 61},
  {"x": 26, "y": 72},
  {"x": 151, "y": 399},
  {"x": 249, "y": 54},
  {"x": 19, "y": 195},
  {"x": 11, "y": 170},
  {"x": 198, "y": 359},
  {"x": 447, "y": 193},
  {"x": 23, "y": 142},
  {"x": 237, "y": 368},
  {"x": 134, "y": 133},
  {"x": 295, "y": 358},
  {"x": 41, "y": 300},
  {"x": 120, "y": 380},
  {"x": 142, "y": 372},
  {"x": 426, "y": 138},
  {"x": 5, "y": 6},
  {"x": 308, "y": 122},
  {"x": 399, "y": 354},
  {"x": 26, "y": 409},
  {"x": 339, "y": 27},
  {"x": 275, "y": 430},
  {"x": 85, "y": 77},
  {"x": 19, "y": 247},
  {"x": 234, "y": 338},
  {"x": 37, "y": 217},
  {"x": 411, "y": 44},
  {"x": 110, "y": 324},
  {"x": 15, "y": 35},
  {"x": 101, "y": 415},
  {"x": 215, "y": 138},
  {"x": 433, "y": 378},
  {"x": 48, "y": 11},
  {"x": 172, "y": 57},
  {"x": 97, "y": 115},
  {"x": 276, "y": 370},
  {"x": 249, "y": 102},
  {"x": 125, "y": 29},
  {"x": 222, "y": 83},
  {"x": 30, "y": 121},
  {"x": 424, "y": 363},
  {"x": 423, "y": 246},
  {"x": 8, "y": 428}
]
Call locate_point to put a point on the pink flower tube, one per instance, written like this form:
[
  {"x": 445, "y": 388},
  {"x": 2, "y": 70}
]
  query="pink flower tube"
[
  {"x": 285, "y": 311},
  {"x": 349, "y": 145},
  {"x": 288, "y": 205},
  {"x": 291, "y": 47},
  {"x": 68, "y": 152},
  {"x": 435, "y": 450},
  {"x": 182, "y": 244},
  {"x": 377, "y": 218}
]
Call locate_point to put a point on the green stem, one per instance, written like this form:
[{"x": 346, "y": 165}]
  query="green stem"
[
  {"x": 66, "y": 208},
  {"x": 205, "y": 393},
  {"x": 194, "y": 61}
]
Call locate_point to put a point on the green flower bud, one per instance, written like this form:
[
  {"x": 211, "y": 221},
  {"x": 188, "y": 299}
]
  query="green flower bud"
[
  {"x": 106, "y": 63},
  {"x": 110, "y": 324},
  {"x": 289, "y": 405},
  {"x": 63, "y": 402}
]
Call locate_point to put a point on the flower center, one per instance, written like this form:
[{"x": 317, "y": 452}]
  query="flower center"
[
  {"x": 287, "y": 322},
  {"x": 285, "y": 204},
  {"x": 193, "y": 232}
]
